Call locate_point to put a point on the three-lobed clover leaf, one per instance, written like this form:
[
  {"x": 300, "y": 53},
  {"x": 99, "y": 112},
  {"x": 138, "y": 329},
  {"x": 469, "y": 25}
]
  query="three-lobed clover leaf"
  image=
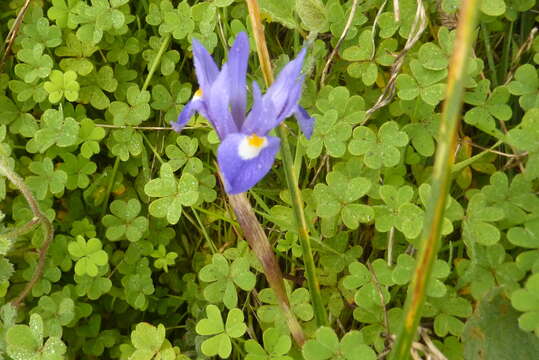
[
  {"x": 449, "y": 309},
  {"x": 77, "y": 169},
  {"x": 477, "y": 227},
  {"x": 46, "y": 178},
  {"x": 526, "y": 86},
  {"x": 121, "y": 49},
  {"x": 35, "y": 65},
  {"x": 339, "y": 196},
  {"x": 224, "y": 279},
  {"x": 169, "y": 59},
  {"x": 93, "y": 85},
  {"x": 183, "y": 154},
  {"x": 423, "y": 83},
  {"x": 270, "y": 312},
  {"x": 125, "y": 222},
  {"x": 150, "y": 343},
  {"x": 526, "y": 137},
  {"x": 125, "y": 143},
  {"x": 163, "y": 259},
  {"x": 90, "y": 135},
  {"x": 57, "y": 311},
  {"x": 378, "y": 149},
  {"x": 326, "y": 346},
  {"x": 64, "y": 12},
  {"x": 76, "y": 55},
  {"x": 135, "y": 111},
  {"x": 221, "y": 333},
  {"x": 487, "y": 107},
  {"x": 329, "y": 133},
  {"x": 138, "y": 284},
  {"x": 26, "y": 342},
  {"x": 527, "y": 301},
  {"x": 40, "y": 32},
  {"x": 88, "y": 254},
  {"x": 57, "y": 130},
  {"x": 276, "y": 346},
  {"x": 173, "y": 194},
  {"x": 398, "y": 211},
  {"x": 62, "y": 84}
]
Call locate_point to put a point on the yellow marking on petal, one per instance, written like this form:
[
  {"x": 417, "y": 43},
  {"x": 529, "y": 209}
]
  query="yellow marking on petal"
[
  {"x": 256, "y": 141},
  {"x": 198, "y": 94}
]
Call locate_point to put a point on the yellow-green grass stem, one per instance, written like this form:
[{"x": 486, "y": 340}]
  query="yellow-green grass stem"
[{"x": 441, "y": 180}]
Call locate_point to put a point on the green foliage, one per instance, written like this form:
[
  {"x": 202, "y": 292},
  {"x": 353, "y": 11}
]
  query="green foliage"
[
  {"x": 144, "y": 235},
  {"x": 221, "y": 333}
]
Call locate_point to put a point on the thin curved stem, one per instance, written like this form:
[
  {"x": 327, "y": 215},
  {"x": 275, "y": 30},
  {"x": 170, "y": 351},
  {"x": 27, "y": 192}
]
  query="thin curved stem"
[
  {"x": 290, "y": 171},
  {"x": 48, "y": 230}
]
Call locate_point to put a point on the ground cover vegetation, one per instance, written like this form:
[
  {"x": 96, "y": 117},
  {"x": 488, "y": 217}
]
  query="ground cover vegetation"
[{"x": 118, "y": 239}]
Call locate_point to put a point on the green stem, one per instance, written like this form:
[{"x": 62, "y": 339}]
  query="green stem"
[
  {"x": 490, "y": 58},
  {"x": 156, "y": 61},
  {"x": 110, "y": 185},
  {"x": 48, "y": 229},
  {"x": 458, "y": 167},
  {"x": 441, "y": 180},
  {"x": 504, "y": 69},
  {"x": 290, "y": 172}
]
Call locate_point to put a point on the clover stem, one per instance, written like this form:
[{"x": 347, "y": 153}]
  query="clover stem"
[
  {"x": 290, "y": 171},
  {"x": 48, "y": 230},
  {"x": 441, "y": 180}
]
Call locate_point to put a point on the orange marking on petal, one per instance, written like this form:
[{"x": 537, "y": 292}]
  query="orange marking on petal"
[{"x": 255, "y": 140}]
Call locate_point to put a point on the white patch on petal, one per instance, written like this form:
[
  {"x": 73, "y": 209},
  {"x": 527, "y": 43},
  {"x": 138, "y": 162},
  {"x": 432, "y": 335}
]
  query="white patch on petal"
[{"x": 251, "y": 146}]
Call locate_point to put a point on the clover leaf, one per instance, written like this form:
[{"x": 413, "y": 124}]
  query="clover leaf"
[
  {"x": 398, "y": 211},
  {"x": 271, "y": 313},
  {"x": 326, "y": 346},
  {"x": 527, "y": 301},
  {"x": 150, "y": 343},
  {"x": 77, "y": 169},
  {"x": 46, "y": 178},
  {"x": 93, "y": 287},
  {"x": 57, "y": 311},
  {"x": 34, "y": 64},
  {"x": 90, "y": 135},
  {"x": 173, "y": 194},
  {"x": 485, "y": 110},
  {"x": 75, "y": 55},
  {"x": 138, "y": 284},
  {"x": 93, "y": 85},
  {"x": 526, "y": 137},
  {"x": 221, "y": 333},
  {"x": 64, "y": 13},
  {"x": 125, "y": 143},
  {"x": 224, "y": 279},
  {"x": 124, "y": 223},
  {"x": 183, "y": 154},
  {"x": 477, "y": 225},
  {"x": 121, "y": 49},
  {"x": 423, "y": 82},
  {"x": 163, "y": 259},
  {"x": 526, "y": 86},
  {"x": 135, "y": 111},
  {"x": 88, "y": 254},
  {"x": 26, "y": 342},
  {"x": 329, "y": 133},
  {"x": 57, "y": 130},
  {"x": 276, "y": 346},
  {"x": 62, "y": 85},
  {"x": 378, "y": 149},
  {"x": 169, "y": 101},
  {"x": 339, "y": 196},
  {"x": 449, "y": 309},
  {"x": 177, "y": 22}
]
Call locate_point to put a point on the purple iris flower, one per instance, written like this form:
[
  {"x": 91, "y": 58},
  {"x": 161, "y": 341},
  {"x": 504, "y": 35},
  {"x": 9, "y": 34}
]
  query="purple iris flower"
[{"x": 246, "y": 152}]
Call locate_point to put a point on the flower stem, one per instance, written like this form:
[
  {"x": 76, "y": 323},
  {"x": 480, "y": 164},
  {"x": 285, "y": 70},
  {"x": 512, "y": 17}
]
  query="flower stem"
[
  {"x": 290, "y": 171},
  {"x": 441, "y": 180},
  {"x": 48, "y": 230}
]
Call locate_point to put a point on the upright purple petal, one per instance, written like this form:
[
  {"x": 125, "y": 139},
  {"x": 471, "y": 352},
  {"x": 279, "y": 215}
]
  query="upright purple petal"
[
  {"x": 306, "y": 122},
  {"x": 205, "y": 67},
  {"x": 239, "y": 174},
  {"x": 286, "y": 89},
  {"x": 262, "y": 117},
  {"x": 187, "y": 112},
  {"x": 217, "y": 101},
  {"x": 238, "y": 57}
]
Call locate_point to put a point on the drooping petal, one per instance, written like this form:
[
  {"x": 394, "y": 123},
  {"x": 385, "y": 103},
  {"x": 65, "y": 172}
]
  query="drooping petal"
[
  {"x": 242, "y": 172},
  {"x": 286, "y": 89},
  {"x": 306, "y": 122},
  {"x": 205, "y": 67},
  {"x": 217, "y": 101},
  {"x": 187, "y": 112},
  {"x": 238, "y": 57}
]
